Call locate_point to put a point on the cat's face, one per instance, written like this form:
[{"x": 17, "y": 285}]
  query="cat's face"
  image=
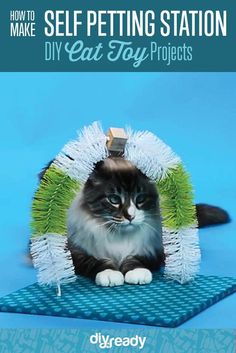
[{"x": 120, "y": 197}]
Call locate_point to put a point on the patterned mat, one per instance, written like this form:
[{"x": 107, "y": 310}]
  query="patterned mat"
[{"x": 161, "y": 303}]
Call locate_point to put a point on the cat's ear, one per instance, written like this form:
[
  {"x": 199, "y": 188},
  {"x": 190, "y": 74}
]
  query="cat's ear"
[
  {"x": 100, "y": 175},
  {"x": 147, "y": 179},
  {"x": 95, "y": 179}
]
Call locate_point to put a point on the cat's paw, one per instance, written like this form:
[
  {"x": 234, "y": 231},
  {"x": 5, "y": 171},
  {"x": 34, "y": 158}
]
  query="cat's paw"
[
  {"x": 138, "y": 276},
  {"x": 109, "y": 278}
]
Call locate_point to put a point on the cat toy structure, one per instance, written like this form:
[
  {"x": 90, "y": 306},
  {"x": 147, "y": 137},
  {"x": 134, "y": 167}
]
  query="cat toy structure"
[{"x": 72, "y": 168}]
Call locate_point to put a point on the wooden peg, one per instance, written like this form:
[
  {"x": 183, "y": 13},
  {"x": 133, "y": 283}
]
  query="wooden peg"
[{"x": 117, "y": 138}]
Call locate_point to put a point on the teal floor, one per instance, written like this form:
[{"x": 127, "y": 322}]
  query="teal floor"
[{"x": 194, "y": 113}]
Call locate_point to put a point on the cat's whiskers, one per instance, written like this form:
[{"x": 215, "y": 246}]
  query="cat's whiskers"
[
  {"x": 109, "y": 229},
  {"x": 103, "y": 224},
  {"x": 112, "y": 228},
  {"x": 148, "y": 225}
]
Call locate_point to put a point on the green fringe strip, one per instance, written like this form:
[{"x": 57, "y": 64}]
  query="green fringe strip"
[
  {"x": 176, "y": 200},
  {"x": 51, "y": 202}
]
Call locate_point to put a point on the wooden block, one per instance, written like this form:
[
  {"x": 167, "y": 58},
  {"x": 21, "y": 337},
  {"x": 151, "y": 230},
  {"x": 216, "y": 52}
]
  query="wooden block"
[{"x": 117, "y": 139}]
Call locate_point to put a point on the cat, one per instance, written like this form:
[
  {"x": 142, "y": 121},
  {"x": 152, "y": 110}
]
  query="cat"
[
  {"x": 114, "y": 225},
  {"x": 114, "y": 228}
]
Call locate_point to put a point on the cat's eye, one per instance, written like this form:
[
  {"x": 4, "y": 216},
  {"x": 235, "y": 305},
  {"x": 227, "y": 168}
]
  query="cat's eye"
[
  {"x": 114, "y": 199},
  {"x": 140, "y": 199}
]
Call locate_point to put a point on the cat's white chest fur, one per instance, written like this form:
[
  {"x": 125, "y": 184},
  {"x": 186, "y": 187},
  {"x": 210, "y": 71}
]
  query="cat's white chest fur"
[
  {"x": 118, "y": 246},
  {"x": 86, "y": 233}
]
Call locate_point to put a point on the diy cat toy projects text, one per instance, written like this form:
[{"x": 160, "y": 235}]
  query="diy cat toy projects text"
[{"x": 72, "y": 168}]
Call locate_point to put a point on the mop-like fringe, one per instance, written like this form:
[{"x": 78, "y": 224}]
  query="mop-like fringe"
[
  {"x": 150, "y": 154},
  {"x": 176, "y": 199},
  {"x": 78, "y": 158},
  {"x": 51, "y": 202},
  {"x": 49, "y": 227},
  {"x": 180, "y": 233},
  {"x": 182, "y": 254},
  {"x": 52, "y": 259}
]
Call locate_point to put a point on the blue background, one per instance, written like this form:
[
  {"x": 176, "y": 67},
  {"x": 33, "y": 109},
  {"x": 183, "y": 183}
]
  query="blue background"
[{"x": 193, "y": 113}]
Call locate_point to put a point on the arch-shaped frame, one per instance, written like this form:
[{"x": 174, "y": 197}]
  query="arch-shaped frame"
[{"x": 70, "y": 170}]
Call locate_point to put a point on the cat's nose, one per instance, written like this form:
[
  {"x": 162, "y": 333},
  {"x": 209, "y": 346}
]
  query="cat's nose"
[
  {"x": 130, "y": 217},
  {"x": 130, "y": 214}
]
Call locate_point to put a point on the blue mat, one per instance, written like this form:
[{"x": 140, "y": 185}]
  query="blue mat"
[{"x": 161, "y": 303}]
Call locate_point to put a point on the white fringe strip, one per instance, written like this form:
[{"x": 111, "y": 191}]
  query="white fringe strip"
[
  {"x": 78, "y": 158},
  {"x": 182, "y": 254},
  {"x": 52, "y": 259},
  {"x": 150, "y": 154}
]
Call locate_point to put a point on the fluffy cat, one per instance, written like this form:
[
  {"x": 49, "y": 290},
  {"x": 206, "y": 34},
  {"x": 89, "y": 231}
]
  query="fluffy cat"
[{"x": 114, "y": 225}]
